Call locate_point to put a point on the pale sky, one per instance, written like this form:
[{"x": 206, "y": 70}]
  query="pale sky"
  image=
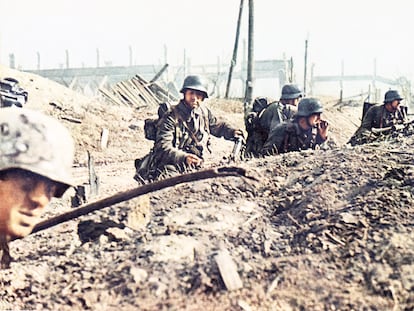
[{"x": 355, "y": 31}]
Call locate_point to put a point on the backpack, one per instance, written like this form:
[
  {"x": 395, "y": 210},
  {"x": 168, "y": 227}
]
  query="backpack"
[
  {"x": 144, "y": 167},
  {"x": 252, "y": 119},
  {"x": 256, "y": 136},
  {"x": 151, "y": 124}
]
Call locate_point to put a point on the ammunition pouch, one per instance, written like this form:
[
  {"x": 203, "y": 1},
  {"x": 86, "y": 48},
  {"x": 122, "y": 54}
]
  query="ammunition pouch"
[{"x": 145, "y": 168}]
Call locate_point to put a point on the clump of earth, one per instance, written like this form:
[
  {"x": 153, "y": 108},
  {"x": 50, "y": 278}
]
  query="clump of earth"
[{"x": 329, "y": 229}]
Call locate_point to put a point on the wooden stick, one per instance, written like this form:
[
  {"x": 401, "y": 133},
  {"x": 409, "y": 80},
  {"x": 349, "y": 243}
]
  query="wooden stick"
[
  {"x": 294, "y": 220},
  {"x": 129, "y": 194},
  {"x": 109, "y": 94},
  {"x": 139, "y": 82},
  {"x": 159, "y": 73},
  {"x": 145, "y": 92},
  {"x": 228, "y": 270},
  {"x": 4, "y": 248}
]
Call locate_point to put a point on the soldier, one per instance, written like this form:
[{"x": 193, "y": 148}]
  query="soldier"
[
  {"x": 380, "y": 117},
  {"x": 184, "y": 131},
  {"x": 283, "y": 110},
  {"x": 271, "y": 116},
  {"x": 36, "y": 156},
  {"x": 305, "y": 131}
]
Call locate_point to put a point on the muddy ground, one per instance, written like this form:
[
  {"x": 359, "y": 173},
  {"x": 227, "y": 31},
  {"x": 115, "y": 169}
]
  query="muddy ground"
[{"x": 317, "y": 230}]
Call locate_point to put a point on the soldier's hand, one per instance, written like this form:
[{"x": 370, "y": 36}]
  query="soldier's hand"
[
  {"x": 323, "y": 129},
  {"x": 193, "y": 160},
  {"x": 238, "y": 133}
]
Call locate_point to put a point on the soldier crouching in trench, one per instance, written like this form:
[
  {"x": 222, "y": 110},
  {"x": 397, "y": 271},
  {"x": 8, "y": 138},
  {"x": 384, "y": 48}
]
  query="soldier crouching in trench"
[
  {"x": 380, "y": 119},
  {"x": 306, "y": 131},
  {"x": 264, "y": 117},
  {"x": 183, "y": 133},
  {"x": 36, "y": 157}
]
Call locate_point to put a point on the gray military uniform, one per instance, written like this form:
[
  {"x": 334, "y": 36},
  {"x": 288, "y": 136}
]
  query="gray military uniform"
[
  {"x": 289, "y": 136},
  {"x": 267, "y": 120},
  {"x": 183, "y": 130},
  {"x": 275, "y": 114},
  {"x": 377, "y": 117}
]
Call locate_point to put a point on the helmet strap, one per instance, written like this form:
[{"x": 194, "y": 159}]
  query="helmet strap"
[
  {"x": 307, "y": 121},
  {"x": 304, "y": 123}
]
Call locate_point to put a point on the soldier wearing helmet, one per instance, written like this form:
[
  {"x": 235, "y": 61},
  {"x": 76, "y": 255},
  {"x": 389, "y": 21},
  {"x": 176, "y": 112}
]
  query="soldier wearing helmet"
[
  {"x": 36, "y": 156},
  {"x": 305, "y": 131},
  {"x": 283, "y": 110},
  {"x": 382, "y": 116},
  {"x": 271, "y": 116},
  {"x": 183, "y": 133}
]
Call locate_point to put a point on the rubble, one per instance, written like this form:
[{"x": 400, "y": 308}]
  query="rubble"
[
  {"x": 138, "y": 93},
  {"x": 321, "y": 230}
]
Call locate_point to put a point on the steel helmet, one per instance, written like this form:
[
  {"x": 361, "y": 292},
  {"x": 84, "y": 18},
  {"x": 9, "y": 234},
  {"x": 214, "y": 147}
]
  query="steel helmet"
[
  {"x": 32, "y": 141},
  {"x": 291, "y": 91},
  {"x": 194, "y": 83},
  {"x": 391, "y": 95},
  {"x": 308, "y": 106}
]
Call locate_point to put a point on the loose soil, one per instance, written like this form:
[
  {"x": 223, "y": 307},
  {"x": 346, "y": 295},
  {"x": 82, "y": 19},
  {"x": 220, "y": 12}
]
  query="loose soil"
[{"x": 318, "y": 230}]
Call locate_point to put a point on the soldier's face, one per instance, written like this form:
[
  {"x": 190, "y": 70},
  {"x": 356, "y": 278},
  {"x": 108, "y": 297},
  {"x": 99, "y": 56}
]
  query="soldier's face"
[
  {"x": 193, "y": 98},
  {"x": 394, "y": 105},
  {"x": 23, "y": 197},
  {"x": 314, "y": 119},
  {"x": 294, "y": 101}
]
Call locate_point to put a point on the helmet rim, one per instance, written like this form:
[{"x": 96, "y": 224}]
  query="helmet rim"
[
  {"x": 33, "y": 141},
  {"x": 194, "y": 82}
]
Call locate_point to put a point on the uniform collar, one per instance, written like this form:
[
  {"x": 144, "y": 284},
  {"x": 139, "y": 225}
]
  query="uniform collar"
[{"x": 187, "y": 112}]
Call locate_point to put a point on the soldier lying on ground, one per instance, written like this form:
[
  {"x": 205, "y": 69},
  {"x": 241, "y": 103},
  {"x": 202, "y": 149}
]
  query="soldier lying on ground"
[
  {"x": 35, "y": 165},
  {"x": 306, "y": 131},
  {"x": 378, "y": 117},
  {"x": 184, "y": 131},
  {"x": 260, "y": 123}
]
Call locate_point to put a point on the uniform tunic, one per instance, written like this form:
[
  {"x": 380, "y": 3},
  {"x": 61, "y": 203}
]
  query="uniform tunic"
[
  {"x": 184, "y": 130},
  {"x": 275, "y": 114},
  {"x": 271, "y": 116},
  {"x": 377, "y": 117},
  {"x": 289, "y": 136}
]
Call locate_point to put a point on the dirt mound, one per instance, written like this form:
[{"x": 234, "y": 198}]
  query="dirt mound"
[
  {"x": 318, "y": 230},
  {"x": 87, "y": 118}
]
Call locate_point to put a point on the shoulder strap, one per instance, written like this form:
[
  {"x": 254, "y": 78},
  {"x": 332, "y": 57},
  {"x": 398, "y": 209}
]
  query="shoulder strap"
[
  {"x": 204, "y": 114},
  {"x": 178, "y": 117}
]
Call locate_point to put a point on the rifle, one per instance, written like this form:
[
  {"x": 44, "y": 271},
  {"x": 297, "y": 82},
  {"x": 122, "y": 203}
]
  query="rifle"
[
  {"x": 396, "y": 128},
  {"x": 239, "y": 145},
  {"x": 388, "y": 129},
  {"x": 384, "y": 133}
]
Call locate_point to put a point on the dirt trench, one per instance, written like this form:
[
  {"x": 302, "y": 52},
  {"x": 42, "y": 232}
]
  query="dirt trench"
[{"x": 319, "y": 230}]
